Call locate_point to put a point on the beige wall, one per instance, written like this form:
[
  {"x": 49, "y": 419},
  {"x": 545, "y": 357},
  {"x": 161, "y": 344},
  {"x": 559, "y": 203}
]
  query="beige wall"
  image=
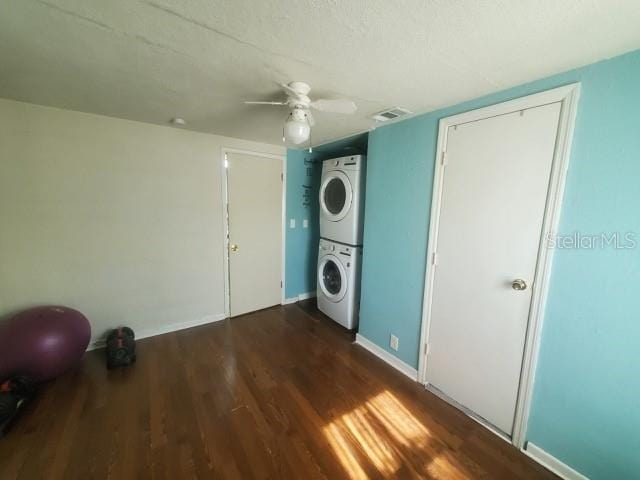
[{"x": 119, "y": 219}]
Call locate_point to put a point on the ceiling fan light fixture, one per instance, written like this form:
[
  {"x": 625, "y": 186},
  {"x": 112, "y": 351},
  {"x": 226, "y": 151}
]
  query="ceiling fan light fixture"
[{"x": 297, "y": 128}]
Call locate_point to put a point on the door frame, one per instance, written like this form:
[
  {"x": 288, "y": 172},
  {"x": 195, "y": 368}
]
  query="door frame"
[
  {"x": 568, "y": 95},
  {"x": 224, "y": 184}
]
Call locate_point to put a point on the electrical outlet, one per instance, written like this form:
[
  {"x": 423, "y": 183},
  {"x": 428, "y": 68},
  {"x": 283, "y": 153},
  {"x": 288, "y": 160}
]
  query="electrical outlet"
[
  {"x": 393, "y": 343},
  {"x": 305, "y": 223},
  {"x": 292, "y": 223}
]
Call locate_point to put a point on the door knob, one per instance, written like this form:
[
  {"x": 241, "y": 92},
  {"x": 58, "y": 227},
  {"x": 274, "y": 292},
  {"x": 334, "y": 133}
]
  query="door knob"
[
  {"x": 519, "y": 284},
  {"x": 233, "y": 247}
]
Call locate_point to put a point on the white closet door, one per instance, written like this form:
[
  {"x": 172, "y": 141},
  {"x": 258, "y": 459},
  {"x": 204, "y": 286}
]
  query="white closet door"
[
  {"x": 254, "y": 190},
  {"x": 496, "y": 179}
]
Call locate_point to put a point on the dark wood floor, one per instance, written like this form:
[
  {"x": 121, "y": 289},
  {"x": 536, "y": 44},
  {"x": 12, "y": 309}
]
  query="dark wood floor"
[{"x": 280, "y": 393}]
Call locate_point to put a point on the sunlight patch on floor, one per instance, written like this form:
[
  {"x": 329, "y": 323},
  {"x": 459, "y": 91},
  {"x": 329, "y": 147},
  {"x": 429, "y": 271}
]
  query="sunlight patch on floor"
[
  {"x": 382, "y": 433},
  {"x": 345, "y": 452}
]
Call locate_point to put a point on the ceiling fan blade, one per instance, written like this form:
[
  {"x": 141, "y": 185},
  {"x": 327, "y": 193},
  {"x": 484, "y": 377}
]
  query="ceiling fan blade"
[
  {"x": 265, "y": 103},
  {"x": 289, "y": 91},
  {"x": 341, "y": 105}
]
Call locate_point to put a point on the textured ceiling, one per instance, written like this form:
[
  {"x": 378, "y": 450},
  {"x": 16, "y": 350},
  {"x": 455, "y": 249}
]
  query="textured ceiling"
[{"x": 151, "y": 60}]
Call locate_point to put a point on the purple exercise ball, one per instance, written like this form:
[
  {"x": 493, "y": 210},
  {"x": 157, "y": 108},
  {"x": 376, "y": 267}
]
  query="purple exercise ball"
[{"x": 43, "y": 342}]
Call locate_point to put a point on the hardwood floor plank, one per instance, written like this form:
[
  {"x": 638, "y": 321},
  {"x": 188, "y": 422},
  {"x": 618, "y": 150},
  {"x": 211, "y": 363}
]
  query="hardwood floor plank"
[{"x": 282, "y": 393}]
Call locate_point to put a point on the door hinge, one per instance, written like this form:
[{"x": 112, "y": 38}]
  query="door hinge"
[
  {"x": 443, "y": 158},
  {"x": 434, "y": 259},
  {"x": 282, "y": 177},
  {"x": 281, "y": 284},
  {"x": 426, "y": 349}
]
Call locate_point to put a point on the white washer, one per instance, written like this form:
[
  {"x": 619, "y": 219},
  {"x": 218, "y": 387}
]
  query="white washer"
[
  {"x": 339, "y": 282},
  {"x": 342, "y": 199}
]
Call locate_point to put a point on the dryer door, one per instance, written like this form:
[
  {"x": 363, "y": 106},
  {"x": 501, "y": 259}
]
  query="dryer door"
[
  {"x": 336, "y": 196},
  {"x": 332, "y": 278}
]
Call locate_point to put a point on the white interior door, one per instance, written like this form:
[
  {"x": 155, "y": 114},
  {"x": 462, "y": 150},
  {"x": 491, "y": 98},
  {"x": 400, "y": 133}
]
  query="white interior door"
[
  {"x": 495, "y": 184},
  {"x": 254, "y": 192}
]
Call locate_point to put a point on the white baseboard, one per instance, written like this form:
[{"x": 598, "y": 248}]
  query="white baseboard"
[
  {"x": 381, "y": 353},
  {"x": 299, "y": 298},
  {"x": 306, "y": 296},
  {"x": 552, "y": 463},
  {"x": 172, "y": 327}
]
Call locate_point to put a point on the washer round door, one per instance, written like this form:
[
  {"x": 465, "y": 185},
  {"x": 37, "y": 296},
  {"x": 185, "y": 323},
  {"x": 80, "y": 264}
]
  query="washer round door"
[
  {"x": 332, "y": 278},
  {"x": 336, "y": 196}
]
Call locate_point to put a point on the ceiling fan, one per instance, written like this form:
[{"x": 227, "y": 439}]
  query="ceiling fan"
[{"x": 297, "y": 127}]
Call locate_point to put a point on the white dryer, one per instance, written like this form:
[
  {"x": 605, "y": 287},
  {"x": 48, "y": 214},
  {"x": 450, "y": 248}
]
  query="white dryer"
[
  {"x": 342, "y": 199},
  {"x": 339, "y": 282}
]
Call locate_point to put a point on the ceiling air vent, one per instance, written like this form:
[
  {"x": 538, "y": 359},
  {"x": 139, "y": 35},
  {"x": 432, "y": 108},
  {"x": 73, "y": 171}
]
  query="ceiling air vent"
[{"x": 390, "y": 114}]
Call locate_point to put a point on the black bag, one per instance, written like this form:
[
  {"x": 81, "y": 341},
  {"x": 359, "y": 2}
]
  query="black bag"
[
  {"x": 121, "y": 347},
  {"x": 14, "y": 393}
]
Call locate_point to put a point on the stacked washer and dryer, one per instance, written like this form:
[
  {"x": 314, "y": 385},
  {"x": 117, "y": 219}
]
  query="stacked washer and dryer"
[{"x": 340, "y": 251}]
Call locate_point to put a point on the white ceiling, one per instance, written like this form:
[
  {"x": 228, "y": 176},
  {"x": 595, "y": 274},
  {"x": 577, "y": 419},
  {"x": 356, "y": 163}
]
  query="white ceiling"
[{"x": 151, "y": 60}]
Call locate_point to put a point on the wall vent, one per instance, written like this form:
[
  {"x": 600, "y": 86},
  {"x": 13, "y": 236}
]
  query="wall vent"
[{"x": 390, "y": 114}]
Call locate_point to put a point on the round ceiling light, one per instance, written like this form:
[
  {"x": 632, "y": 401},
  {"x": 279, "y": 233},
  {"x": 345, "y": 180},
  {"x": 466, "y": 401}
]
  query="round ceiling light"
[{"x": 297, "y": 128}]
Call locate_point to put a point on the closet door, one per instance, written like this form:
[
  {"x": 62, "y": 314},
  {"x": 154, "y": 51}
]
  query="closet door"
[
  {"x": 254, "y": 190},
  {"x": 496, "y": 179}
]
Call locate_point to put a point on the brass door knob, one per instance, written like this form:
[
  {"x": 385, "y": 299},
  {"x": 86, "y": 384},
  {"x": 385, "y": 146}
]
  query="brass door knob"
[
  {"x": 233, "y": 247},
  {"x": 519, "y": 284}
]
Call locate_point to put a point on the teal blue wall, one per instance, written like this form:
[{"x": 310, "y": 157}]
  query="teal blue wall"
[
  {"x": 301, "y": 244},
  {"x": 587, "y": 388}
]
